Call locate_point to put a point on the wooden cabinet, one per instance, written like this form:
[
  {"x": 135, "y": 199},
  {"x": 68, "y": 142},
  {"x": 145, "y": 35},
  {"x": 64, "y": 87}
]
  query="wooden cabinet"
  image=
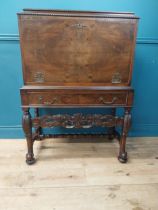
[{"x": 76, "y": 59}]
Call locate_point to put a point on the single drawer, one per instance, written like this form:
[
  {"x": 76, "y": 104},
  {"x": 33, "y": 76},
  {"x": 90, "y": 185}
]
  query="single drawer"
[
  {"x": 97, "y": 98},
  {"x": 104, "y": 99}
]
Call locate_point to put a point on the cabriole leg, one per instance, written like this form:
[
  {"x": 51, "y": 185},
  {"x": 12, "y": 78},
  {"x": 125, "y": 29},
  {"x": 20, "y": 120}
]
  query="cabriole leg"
[
  {"x": 27, "y": 127},
  {"x": 38, "y": 131},
  {"x": 127, "y": 120}
]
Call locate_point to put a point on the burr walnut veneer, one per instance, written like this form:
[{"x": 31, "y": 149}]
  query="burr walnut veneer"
[{"x": 76, "y": 59}]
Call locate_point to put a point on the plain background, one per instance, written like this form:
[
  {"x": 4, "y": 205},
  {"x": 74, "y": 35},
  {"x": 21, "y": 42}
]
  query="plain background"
[{"x": 145, "y": 74}]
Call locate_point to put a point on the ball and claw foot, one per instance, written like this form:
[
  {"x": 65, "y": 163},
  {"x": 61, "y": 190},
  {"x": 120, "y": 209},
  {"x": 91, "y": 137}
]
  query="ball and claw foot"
[
  {"x": 123, "y": 157},
  {"x": 30, "y": 159}
]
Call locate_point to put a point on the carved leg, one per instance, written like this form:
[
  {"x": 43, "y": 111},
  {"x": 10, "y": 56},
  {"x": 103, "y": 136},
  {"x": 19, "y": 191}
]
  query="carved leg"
[
  {"x": 38, "y": 131},
  {"x": 27, "y": 127},
  {"x": 111, "y": 130},
  {"x": 127, "y": 120}
]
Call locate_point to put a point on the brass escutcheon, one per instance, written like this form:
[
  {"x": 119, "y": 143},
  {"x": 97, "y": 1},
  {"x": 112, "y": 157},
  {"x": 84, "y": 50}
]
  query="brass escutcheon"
[
  {"x": 39, "y": 77},
  {"x": 79, "y": 26},
  {"x": 116, "y": 78}
]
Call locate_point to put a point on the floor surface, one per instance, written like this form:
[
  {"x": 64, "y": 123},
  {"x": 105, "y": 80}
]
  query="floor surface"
[{"x": 79, "y": 174}]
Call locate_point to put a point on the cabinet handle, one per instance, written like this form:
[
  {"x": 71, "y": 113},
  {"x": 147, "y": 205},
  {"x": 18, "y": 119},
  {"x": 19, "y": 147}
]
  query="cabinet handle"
[
  {"x": 51, "y": 102},
  {"x": 101, "y": 99}
]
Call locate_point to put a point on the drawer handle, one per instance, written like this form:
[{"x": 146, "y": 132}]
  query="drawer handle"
[
  {"x": 101, "y": 99},
  {"x": 51, "y": 102}
]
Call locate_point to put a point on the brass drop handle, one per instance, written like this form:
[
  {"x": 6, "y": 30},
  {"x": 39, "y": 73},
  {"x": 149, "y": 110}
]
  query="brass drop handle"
[
  {"x": 51, "y": 102},
  {"x": 101, "y": 99},
  {"x": 48, "y": 102}
]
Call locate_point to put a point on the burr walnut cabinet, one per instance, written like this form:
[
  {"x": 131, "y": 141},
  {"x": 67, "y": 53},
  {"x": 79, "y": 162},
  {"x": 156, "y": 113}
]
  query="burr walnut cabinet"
[{"x": 76, "y": 59}]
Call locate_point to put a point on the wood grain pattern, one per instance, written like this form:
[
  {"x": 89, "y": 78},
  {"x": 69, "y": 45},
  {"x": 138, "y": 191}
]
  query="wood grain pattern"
[
  {"x": 77, "y": 59},
  {"x": 70, "y": 54},
  {"x": 75, "y": 98}
]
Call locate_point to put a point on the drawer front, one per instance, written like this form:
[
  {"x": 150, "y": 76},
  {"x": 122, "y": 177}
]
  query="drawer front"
[{"x": 53, "y": 99}]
